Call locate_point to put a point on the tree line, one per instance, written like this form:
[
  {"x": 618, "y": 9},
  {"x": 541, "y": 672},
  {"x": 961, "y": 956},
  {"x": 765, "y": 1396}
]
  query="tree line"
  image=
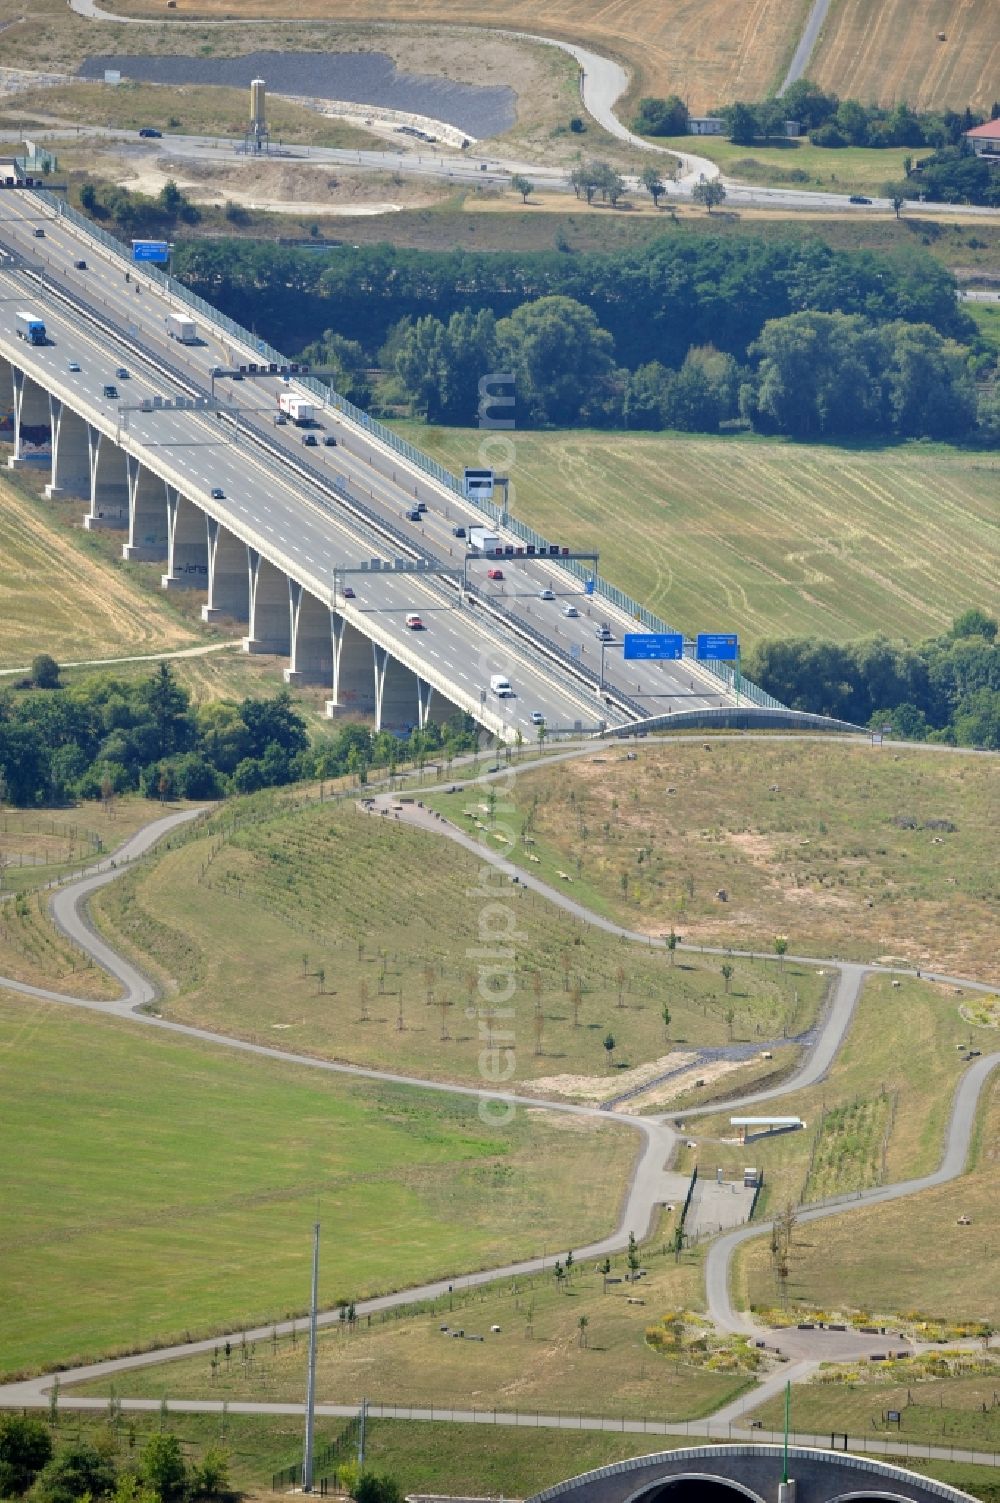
[
  {"x": 31, "y": 1465},
  {"x": 104, "y": 736},
  {"x": 834, "y": 122},
  {"x": 823, "y": 115},
  {"x": 655, "y": 301},
  {"x": 951, "y": 174},
  {"x": 808, "y": 376},
  {"x": 945, "y": 689}
]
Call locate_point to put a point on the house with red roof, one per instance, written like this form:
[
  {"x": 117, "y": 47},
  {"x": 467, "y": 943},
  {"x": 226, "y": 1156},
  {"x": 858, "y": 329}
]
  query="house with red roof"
[{"x": 984, "y": 139}]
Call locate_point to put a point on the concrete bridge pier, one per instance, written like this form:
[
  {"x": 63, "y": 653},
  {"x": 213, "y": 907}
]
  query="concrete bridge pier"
[
  {"x": 425, "y": 698},
  {"x": 396, "y": 699},
  {"x": 228, "y": 576},
  {"x": 187, "y": 544},
  {"x": 7, "y": 394},
  {"x": 70, "y": 451},
  {"x": 270, "y": 613},
  {"x": 32, "y": 421},
  {"x": 312, "y": 638},
  {"x": 353, "y": 684},
  {"x": 148, "y": 529},
  {"x": 108, "y": 483}
]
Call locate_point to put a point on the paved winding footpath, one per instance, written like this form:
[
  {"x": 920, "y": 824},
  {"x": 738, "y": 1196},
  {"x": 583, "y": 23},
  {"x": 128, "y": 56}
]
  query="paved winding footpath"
[{"x": 649, "y": 1185}]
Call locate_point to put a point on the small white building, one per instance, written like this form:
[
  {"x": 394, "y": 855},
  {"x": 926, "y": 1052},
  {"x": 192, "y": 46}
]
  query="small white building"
[
  {"x": 706, "y": 125},
  {"x": 984, "y": 139}
]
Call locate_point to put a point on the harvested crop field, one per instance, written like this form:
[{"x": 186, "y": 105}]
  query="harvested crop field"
[
  {"x": 58, "y": 598},
  {"x": 783, "y": 539},
  {"x": 893, "y": 51}
]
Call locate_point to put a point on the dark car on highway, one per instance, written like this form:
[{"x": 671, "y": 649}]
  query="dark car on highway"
[{"x": 150, "y": 133}]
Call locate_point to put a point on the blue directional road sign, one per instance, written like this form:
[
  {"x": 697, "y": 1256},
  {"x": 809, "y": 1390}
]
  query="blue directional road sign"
[
  {"x": 654, "y": 644},
  {"x": 718, "y": 646},
  {"x": 588, "y": 587},
  {"x": 150, "y": 250}
]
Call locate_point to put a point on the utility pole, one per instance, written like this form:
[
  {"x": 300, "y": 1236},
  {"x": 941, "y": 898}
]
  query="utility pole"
[
  {"x": 362, "y": 1423},
  {"x": 307, "y": 1460}
]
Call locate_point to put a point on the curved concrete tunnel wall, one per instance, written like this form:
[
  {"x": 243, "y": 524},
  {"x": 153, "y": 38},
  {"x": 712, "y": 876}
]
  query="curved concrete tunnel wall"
[{"x": 753, "y": 1471}]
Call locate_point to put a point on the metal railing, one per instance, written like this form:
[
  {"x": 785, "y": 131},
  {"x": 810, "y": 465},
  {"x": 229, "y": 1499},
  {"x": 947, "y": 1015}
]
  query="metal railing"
[{"x": 407, "y": 451}]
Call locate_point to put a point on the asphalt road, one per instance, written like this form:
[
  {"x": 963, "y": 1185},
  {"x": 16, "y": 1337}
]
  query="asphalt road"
[{"x": 807, "y": 41}]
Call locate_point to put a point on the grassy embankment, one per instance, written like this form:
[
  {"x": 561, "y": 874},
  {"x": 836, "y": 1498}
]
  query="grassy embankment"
[
  {"x": 437, "y": 1458},
  {"x": 782, "y": 539},
  {"x": 161, "y": 1187},
  {"x": 239, "y": 924},
  {"x": 809, "y": 839}
]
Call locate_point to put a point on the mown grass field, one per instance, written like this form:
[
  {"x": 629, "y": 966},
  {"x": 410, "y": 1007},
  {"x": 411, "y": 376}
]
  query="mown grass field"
[
  {"x": 155, "y": 1187},
  {"x": 958, "y": 1411},
  {"x": 907, "y": 1256},
  {"x": 891, "y": 52},
  {"x": 758, "y": 536},
  {"x": 536, "y": 1361},
  {"x": 842, "y": 170},
  {"x": 809, "y": 840},
  {"x": 239, "y": 924},
  {"x": 59, "y": 596}
]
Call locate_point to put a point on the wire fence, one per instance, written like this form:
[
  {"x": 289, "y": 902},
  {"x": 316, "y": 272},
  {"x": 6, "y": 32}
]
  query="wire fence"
[{"x": 408, "y": 452}]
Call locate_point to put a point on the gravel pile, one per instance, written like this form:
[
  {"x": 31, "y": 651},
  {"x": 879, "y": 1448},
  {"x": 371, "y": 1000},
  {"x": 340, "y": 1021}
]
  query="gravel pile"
[{"x": 367, "y": 78}]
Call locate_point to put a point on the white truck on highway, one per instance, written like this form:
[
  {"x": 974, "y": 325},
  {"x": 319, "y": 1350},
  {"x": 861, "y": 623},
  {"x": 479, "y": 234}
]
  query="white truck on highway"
[
  {"x": 298, "y": 409},
  {"x": 500, "y": 686},
  {"x": 483, "y": 539},
  {"x": 30, "y": 327},
  {"x": 182, "y": 328}
]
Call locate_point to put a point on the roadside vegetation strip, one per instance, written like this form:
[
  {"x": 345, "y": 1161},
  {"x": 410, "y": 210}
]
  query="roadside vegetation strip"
[
  {"x": 379, "y": 1158},
  {"x": 58, "y": 598},
  {"x": 267, "y": 933},
  {"x": 785, "y": 539}
]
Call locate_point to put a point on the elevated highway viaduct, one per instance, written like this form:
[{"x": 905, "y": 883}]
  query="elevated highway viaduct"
[{"x": 272, "y": 550}]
